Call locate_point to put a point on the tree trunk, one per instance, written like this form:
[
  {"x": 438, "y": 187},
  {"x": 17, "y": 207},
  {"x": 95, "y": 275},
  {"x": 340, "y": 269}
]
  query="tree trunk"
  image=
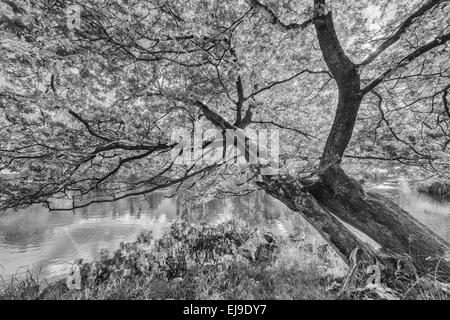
[
  {"x": 334, "y": 195},
  {"x": 290, "y": 192},
  {"x": 382, "y": 220},
  {"x": 409, "y": 249}
]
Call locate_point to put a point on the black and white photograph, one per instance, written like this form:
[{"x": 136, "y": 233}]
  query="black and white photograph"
[{"x": 191, "y": 152}]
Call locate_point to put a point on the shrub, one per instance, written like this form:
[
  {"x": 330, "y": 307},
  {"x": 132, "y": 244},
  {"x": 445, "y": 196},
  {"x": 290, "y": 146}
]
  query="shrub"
[{"x": 191, "y": 262}]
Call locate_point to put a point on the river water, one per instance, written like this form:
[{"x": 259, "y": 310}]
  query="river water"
[{"x": 48, "y": 243}]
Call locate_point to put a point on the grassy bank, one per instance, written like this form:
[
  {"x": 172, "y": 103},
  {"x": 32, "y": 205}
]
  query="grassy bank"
[
  {"x": 223, "y": 262},
  {"x": 227, "y": 261},
  {"x": 436, "y": 188}
]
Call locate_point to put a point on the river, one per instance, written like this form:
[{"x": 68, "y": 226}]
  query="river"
[{"x": 47, "y": 243}]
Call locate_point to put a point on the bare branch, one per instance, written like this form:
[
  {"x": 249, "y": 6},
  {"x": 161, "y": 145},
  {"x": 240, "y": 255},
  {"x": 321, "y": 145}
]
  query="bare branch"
[{"x": 137, "y": 193}]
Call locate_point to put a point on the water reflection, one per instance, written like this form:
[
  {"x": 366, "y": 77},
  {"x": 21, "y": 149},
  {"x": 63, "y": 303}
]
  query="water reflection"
[
  {"x": 50, "y": 242},
  {"x": 428, "y": 209}
]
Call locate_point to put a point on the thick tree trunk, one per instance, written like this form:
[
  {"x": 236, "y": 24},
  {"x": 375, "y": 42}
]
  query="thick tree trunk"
[
  {"x": 334, "y": 195},
  {"x": 409, "y": 249},
  {"x": 354, "y": 252},
  {"x": 382, "y": 220},
  {"x": 290, "y": 192},
  {"x": 347, "y": 79}
]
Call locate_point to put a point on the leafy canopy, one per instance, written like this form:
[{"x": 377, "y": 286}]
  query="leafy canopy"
[{"x": 94, "y": 108}]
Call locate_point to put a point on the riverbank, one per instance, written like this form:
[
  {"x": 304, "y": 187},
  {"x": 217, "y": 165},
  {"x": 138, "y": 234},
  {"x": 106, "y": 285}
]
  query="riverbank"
[
  {"x": 438, "y": 189},
  {"x": 227, "y": 261}
]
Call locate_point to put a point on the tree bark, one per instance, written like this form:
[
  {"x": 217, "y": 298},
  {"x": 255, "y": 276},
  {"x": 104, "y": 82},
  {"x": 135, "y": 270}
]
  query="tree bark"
[
  {"x": 335, "y": 195},
  {"x": 348, "y": 82},
  {"x": 408, "y": 247},
  {"x": 382, "y": 220},
  {"x": 290, "y": 191}
]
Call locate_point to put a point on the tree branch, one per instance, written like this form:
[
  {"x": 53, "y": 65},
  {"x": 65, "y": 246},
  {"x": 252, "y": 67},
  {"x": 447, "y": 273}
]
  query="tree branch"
[
  {"x": 406, "y": 60},
  {"x": 307, "y": 135},
  {"x": 240, "y": 102},
  {"x": 401, "y": 30},
  {"x": 275, "y": 20},
  {"x": 275, "y": 83},
  {"x": 445, "y": 102},
  {"x": 88, "y": 127}
]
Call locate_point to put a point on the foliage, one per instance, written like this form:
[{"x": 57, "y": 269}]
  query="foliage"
[
  {"x": 436, "y": 188},
  {"x": 145, "y": 269},
  {"x": 94, "y": 108},
  {"x": 88, "y": 109},
  {"x": 171, "y": 268}
]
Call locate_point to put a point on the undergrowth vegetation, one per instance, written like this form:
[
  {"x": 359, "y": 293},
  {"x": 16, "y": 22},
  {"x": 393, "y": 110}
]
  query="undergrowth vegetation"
[
  {"x": 436, "y": 188},
  {"x": 227, "y": 261}
]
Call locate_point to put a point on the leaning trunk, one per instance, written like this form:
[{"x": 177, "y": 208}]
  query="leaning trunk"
[
  {"x": 290, "y": 192},
  {"x": 394, "y": 229},
  {"x": 334, "y": 197},
  {"x": 409, "y": 249}
]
